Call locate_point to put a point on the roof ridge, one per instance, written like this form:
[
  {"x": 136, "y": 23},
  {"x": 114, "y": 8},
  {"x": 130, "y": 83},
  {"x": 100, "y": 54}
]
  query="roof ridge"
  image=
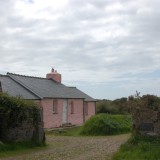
[
  {"x": 3, "y": 75},
  {"x": 8, "y": 73}
]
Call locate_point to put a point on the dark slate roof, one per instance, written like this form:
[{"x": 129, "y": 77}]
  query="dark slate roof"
[
  {"x": 79, "y": 92},
  {"x": 38, "y": 88},
  {"x": 14, "y": 89}
]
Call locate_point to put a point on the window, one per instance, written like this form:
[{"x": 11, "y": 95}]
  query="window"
[
  {"x": 54, "y": 106},
  {"x": 72, "y": 107},
  {"x": 86, "y": 108}
]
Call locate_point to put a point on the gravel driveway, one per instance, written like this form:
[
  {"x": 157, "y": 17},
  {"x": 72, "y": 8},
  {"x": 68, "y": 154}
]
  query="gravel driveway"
[{"x": 75, "y": 148}]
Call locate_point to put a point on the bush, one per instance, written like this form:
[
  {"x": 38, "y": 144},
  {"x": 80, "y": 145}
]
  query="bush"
[
  {"x": 118, "y": 106},
  {"x": 16, "y": 110},
  {"x": 15, "y": 113},
  {"x": 105, "y": 124},
  {"x": 106, "y": 107},
  {"x": 146, "y": 101}
]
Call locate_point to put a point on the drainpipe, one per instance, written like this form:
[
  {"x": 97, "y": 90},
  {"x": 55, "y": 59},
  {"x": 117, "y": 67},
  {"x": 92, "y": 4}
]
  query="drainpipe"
[
  {"x": 83, "y": 112},
  {"x": 95, "y": 107}
]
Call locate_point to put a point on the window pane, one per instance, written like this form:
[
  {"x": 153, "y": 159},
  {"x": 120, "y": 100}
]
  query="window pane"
[
  {"x": 72, "y": 107},
  {"x": 55, "y": 106},
  {"x": 86, "y": 108}
]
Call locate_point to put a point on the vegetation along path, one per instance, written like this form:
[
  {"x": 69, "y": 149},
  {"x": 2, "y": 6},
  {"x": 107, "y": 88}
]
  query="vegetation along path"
[{"x": 75, "y": 148}]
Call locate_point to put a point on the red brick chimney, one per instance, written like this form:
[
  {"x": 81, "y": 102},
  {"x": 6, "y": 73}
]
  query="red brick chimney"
[{"x": 54, "y": 75}]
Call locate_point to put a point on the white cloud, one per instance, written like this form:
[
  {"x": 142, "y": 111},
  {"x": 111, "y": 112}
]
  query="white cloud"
[{"x": 103, "y": 44}]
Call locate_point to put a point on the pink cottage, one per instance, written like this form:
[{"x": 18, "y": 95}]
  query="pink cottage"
[{"x": 61, "y": 105}]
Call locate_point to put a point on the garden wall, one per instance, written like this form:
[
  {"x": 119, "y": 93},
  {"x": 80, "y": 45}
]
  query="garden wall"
[
  {"x": 146, "y": 121},
  {"x": 20, "y": 120},
  {"x": 146, "y": 115},
  {"x": 23, "y": 131}
]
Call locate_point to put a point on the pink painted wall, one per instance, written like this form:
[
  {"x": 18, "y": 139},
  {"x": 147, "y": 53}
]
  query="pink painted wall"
[
  {"x": 47, "y": 112},
  {"x": 57, "y": 117},
  {"x": 53, "y": 120},
  {"x": 91, "y": 110},
  {"x": 77, "y": 117}
]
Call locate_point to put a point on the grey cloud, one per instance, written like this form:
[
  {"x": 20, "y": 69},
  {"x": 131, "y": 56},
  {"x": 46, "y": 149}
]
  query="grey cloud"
[{"x": 128, "y": 43}]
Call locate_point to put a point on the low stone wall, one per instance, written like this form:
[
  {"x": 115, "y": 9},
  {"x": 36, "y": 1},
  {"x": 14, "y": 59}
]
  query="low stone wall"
[
  {"x": 23, "y": 132},
  {"x": 20, "y": 120},
  {"x": 146, "y": 121}
]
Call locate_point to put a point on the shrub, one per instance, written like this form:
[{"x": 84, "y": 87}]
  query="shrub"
[
  {"x": 107, "y": 107},
  {"x": 146, "y": 101},
  {"x": 118, "y": 106},
  {"x": 15, "y": 113},
  {"x": 105, "y": 124},
  {"x": 16, "y": 110}
]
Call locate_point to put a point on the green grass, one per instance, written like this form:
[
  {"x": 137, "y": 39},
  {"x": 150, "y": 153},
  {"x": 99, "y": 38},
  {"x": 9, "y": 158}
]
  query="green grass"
[
  {"x": 75, "y": 131},
  {"x": 139, "y": 148},
  {"x": 7, "y": 149},
  {"x": 106, "y": 124}
]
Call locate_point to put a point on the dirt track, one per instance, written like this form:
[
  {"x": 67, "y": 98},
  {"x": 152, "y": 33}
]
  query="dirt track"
[{"x": 75, "y": 148}]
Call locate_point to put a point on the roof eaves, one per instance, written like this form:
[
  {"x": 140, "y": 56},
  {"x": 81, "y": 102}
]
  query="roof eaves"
[
  {"x": 61, "y": 98},
  {"x": 93, "y": 100},
  {"x": 23, "y": 85}
]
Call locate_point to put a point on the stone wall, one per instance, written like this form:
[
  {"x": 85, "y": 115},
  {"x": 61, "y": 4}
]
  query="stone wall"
[
  {"x": 146, "y": 121},
  {"x": 23, "y": 131}
]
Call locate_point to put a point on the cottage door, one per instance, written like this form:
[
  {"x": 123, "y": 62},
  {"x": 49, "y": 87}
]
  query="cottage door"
[{"x": 64, "y": 112}]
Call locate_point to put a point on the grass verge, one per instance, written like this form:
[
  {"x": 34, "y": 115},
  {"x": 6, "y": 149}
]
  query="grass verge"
[
  {"x": 140, "y": 148},
  {"x": 75, "y": 131},
  {"x": 8, "y": 149}
]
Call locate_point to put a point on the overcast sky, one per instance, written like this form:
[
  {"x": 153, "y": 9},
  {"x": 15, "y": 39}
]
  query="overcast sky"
[{"x": 107, "y": 48}]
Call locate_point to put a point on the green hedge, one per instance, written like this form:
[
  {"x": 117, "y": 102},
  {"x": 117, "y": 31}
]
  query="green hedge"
[
  {"x": 13, "y": 111},
  {"x": 106, "y": 124}
]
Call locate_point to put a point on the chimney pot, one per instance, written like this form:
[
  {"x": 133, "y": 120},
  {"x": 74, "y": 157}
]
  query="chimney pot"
[{"x": 54, "y": 75}]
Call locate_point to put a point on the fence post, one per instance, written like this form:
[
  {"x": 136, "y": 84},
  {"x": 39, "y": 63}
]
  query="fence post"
[{"x": 0, "y": 87}]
